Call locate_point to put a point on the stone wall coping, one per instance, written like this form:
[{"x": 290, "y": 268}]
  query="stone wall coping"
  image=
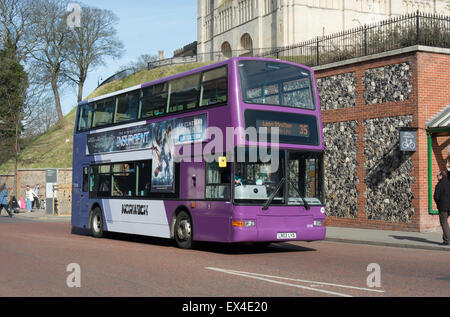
[
  {"x": 37, "y": 170},
  {"x": 415, "y": 48}
]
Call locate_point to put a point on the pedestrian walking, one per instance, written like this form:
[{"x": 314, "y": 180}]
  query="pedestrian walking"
[
  {"x": 36, "y": 202},
  {"x": 29, "y": 194},
  {"x": 442, "y": 199},
  {"x": 4, "y": 201}
]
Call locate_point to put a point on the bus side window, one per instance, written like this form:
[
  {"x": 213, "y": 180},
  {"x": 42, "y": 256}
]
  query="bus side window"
[
  {"x": 127, "y": 107},
  {"x": 124, "y": 180},
  {"x": 214, "y": 89},
  {"x": 85, "y": 117},
  {"x": 144, "y": 178},
  {"x": 100, "y": 184},
  {"x": 184, "y": 93},
  {"x": 93, "y": 181},
  {"x": 154, "y": 101},
  {"x": 103, "y": 114}
]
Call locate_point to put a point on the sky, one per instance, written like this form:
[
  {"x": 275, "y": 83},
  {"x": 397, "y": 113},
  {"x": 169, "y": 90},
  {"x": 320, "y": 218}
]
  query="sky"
[{"x": 144, "y": 27}]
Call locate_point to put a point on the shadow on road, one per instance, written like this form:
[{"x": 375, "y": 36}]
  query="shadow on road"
[
  {"x": 249, "y": 248},
  {"x": 223, "y": 248},
  {"x": 415, "y": 239}
]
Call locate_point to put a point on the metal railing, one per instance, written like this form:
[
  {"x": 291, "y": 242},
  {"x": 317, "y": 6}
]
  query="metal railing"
[
  {"x": 120, "y": 75},
  {"x": 399, "y": 32}
]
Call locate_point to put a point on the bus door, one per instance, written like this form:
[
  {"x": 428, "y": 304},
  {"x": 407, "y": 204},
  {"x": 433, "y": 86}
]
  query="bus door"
[{"x": 83, "y": 202}]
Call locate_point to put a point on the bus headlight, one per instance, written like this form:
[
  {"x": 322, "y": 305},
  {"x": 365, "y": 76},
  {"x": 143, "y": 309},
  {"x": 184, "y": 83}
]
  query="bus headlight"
[{"x": 318, "y": 223}]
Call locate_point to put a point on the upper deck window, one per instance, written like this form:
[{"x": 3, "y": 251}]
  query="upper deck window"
[
  {"x": 154, "y": 101},
  {"x": 85, "y": 117},
  {"x": 214, "y": 87},
  {"x": 127, "y": 107},
  {"x": 276, "y": 84},
  {"x": 208, "y": 88},
  {"x": 103, "y": 113},
  {"x": 184, "y": 93}
]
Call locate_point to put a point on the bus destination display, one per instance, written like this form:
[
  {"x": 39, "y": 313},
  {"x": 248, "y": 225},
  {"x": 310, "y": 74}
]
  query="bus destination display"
[
  {"x": 285, "y": 128},
  {"x": 293, "y": 128}
]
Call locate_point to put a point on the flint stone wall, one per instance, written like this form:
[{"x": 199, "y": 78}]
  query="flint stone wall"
[
  {"x": 389, "y": 177},
  {"x": 337, "y": 92},
  {"x": 387, "y": 84},
  {"x": 341, "y": 169}
]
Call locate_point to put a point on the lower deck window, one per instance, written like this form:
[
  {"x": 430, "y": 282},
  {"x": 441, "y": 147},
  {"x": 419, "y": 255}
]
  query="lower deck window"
[{"x": 131, "y": 179}]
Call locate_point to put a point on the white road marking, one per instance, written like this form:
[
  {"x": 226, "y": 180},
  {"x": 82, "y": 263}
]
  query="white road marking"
[
  {"x": 277, "y": 282},
  {"x": 269, "y": 278}
]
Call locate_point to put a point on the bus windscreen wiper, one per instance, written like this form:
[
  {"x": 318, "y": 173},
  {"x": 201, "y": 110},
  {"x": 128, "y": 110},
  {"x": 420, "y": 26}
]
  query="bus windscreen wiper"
[
  {"x": 299, "y": 195},
  {"x": 272, "y": 196}
]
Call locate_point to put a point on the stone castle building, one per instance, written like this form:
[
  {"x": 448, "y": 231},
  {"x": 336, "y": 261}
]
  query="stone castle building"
[{"x": 237, "y": 27}]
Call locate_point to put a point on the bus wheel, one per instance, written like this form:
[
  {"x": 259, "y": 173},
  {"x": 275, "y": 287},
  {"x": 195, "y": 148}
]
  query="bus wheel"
[
  {"x": 183, "y": 231},
  {"x": 97, "y": 223}
]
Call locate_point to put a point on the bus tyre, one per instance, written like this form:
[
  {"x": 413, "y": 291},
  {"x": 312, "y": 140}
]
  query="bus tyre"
[
  {"x": 97, "y": 223},
  {"x": 183, "y": 231}
]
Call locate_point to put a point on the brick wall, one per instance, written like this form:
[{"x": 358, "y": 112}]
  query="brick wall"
[
  {"x": 32, "y": 177},
  {"x": 406, "y": 89},
  {"x": 433, "y": 96}
]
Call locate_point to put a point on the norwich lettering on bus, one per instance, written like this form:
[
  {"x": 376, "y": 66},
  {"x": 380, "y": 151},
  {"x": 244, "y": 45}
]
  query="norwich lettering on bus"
[{"x": 138, "y": 210}]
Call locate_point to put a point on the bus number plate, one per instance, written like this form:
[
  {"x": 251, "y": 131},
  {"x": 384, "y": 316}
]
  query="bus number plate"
[{"x": 284, "y": 236}]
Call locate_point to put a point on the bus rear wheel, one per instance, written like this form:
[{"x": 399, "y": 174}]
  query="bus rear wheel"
[
  {"x": 97, "y": 223},
  {"x": 184, "y": 231}
]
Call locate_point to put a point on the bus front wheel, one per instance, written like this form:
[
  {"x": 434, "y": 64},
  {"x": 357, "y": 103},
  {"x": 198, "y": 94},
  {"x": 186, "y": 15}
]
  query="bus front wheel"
[
  {"x": 97, "y": 223},
  {"x": 184, "y": 231}
]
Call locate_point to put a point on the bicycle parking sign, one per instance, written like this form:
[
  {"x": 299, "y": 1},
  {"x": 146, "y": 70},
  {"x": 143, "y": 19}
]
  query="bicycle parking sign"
[{"x": 408, "y": 139}]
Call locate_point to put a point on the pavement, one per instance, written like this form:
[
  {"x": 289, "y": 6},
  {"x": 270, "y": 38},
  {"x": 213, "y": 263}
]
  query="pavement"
[
  {"x": 399, "y": 239},
  {"x": 40, "y": 215},
  {"x": 415, "y": 240}
]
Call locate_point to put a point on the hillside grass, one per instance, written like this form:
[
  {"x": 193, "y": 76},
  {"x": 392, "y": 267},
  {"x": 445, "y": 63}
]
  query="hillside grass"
[
  {"x": 142, "y": 77},
  {"x": 54, "y": 149},
  {"x": 50, "y": 150}
]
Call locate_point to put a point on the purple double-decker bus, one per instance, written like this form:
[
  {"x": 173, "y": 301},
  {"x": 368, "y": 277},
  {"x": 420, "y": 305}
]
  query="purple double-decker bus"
[{"x": 177, "y": 158}]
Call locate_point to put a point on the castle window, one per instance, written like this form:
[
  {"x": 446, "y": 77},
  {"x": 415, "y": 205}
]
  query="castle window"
[
  {"x": 226, "y": 50},
  {"x": 246, "y": 45}
]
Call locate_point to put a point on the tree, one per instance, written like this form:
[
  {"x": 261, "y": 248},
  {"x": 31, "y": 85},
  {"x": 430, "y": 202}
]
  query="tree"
[
  {"x": 16, "y": 28},
  {"x": 140, "y": 64},
  {"x": 89, "y": 44},
  {"x": 52, "y": 34},
  {"x": 13, "y": 87}
]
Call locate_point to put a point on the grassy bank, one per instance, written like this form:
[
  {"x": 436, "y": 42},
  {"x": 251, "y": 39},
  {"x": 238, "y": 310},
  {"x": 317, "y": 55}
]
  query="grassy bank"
[{"x": 54, "y": 148}]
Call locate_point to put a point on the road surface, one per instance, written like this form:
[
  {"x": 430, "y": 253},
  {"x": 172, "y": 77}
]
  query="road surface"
[{"x": 41, "y": 258}]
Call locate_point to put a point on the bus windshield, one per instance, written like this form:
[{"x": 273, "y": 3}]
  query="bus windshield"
[
  {"x": 276, "y": 84},
  {"x": 301, "y": 178}
]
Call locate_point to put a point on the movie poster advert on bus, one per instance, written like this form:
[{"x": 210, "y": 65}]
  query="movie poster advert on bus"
[
  {"x": 160, "y": 137},
  {"x": 185, "y": 131},
  {"x": 134, "y": 138},
  {"x": 162, "y": 161},
  {"x": 190, "y": 130},
  {"x": 166, "y": 135}
]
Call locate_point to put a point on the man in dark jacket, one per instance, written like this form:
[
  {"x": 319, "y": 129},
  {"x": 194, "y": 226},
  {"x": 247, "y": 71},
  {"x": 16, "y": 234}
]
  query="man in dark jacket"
[{"x": 442, "y": 199}]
